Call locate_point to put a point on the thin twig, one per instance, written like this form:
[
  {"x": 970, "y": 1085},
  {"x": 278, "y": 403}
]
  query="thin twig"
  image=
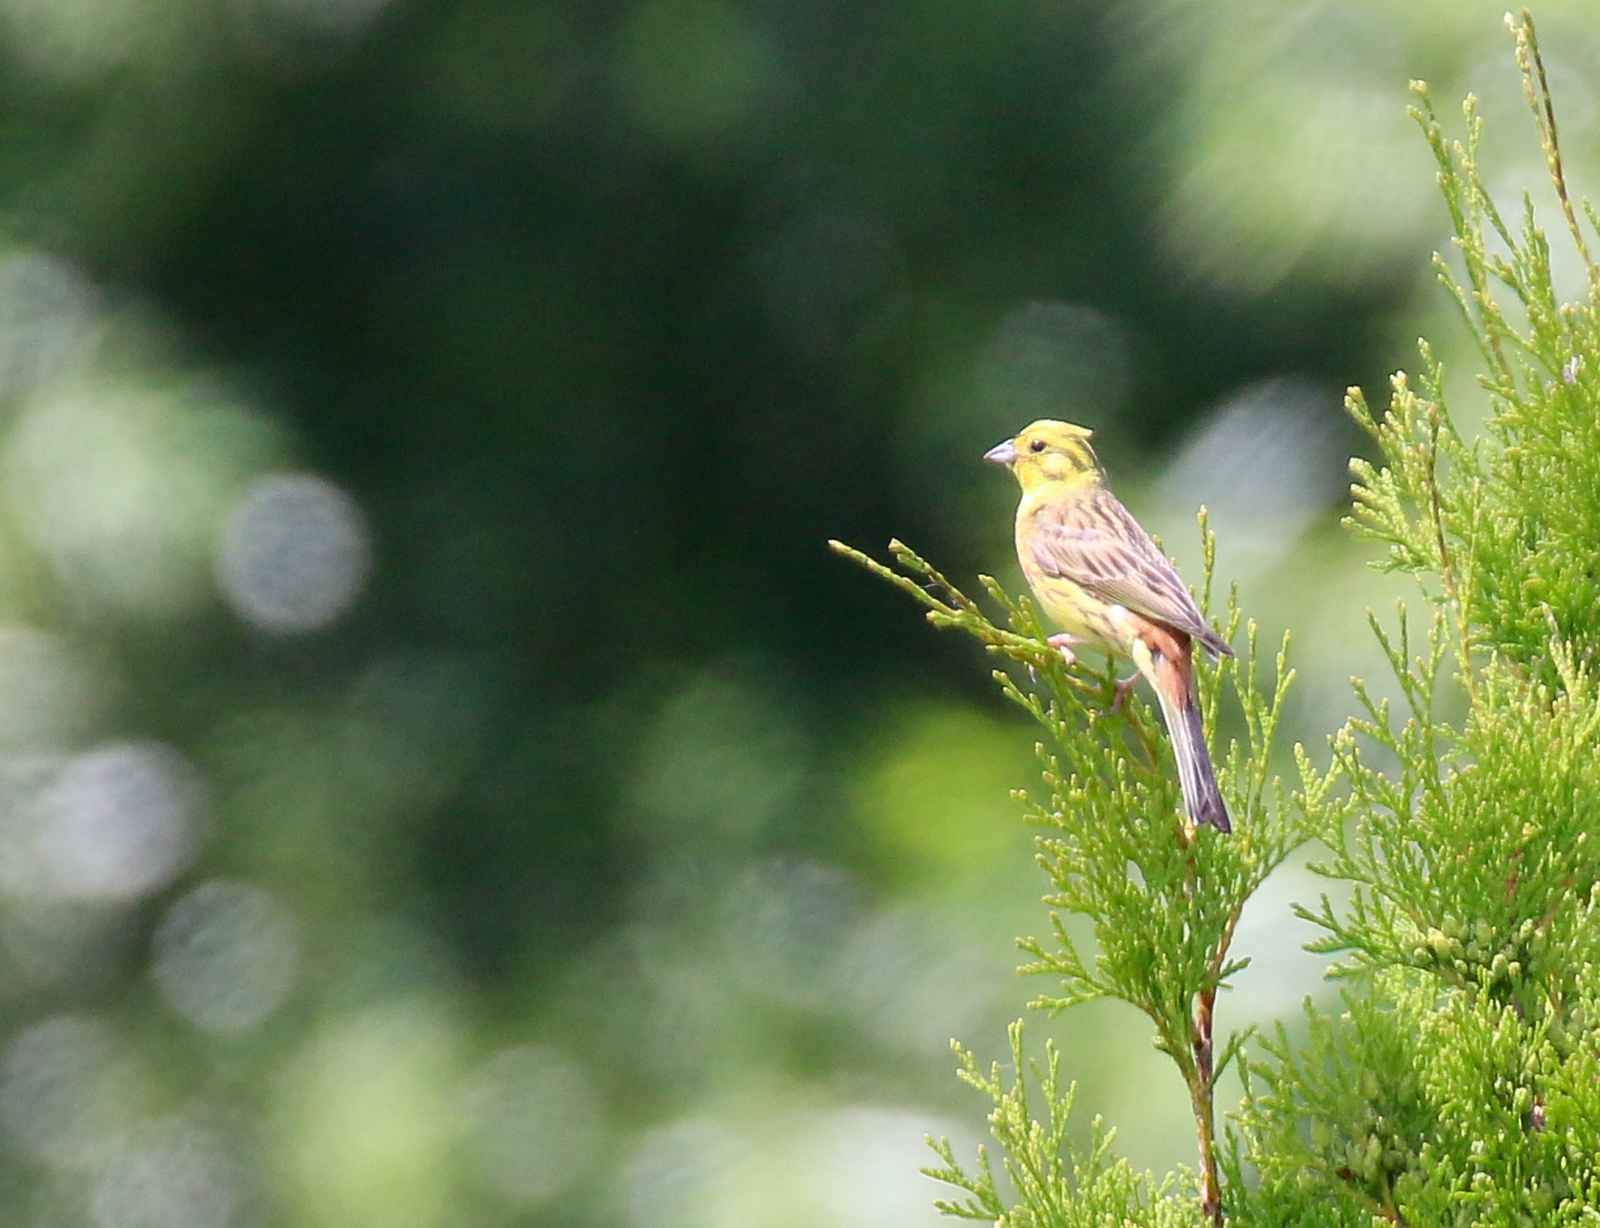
[
  {"x": 1446, "y": 567},
  {"x": 1544, "y": 113}
]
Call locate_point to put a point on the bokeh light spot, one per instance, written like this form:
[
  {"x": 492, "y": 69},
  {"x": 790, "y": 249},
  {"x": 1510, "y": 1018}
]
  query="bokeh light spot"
[
  {"x": 48, "y": 312},
  {"x": 121, "y": 487},
  {"x": 294, "y": 553},
  {"x": 225, "y": 956},
  {"x": 1269, "y": 461},
  {"x": 111, "y": 825},
  {"x": 532, "y": 1119},
  {"x": 67, "y": 1089},
  {"x": 167, "y": 1174},
  {"x": 368, "y": 1127}
]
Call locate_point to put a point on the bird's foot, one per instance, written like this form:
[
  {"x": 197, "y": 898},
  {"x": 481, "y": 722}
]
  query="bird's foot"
[
  {"x": 1062, "y": 643},
  {"x": 1124, "y": 685}
]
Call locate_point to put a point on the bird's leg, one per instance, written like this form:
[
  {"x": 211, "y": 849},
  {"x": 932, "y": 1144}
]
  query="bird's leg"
[
  {"x": 1062, "y": 643},
  {"x": 1124, "y": 685}
]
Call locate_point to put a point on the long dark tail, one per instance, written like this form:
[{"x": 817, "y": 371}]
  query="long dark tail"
[{"x": 1181, "y": 709}]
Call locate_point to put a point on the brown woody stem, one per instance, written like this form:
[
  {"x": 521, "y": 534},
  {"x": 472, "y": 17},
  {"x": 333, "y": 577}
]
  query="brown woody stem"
[{"x": 1204, "y": 1103}]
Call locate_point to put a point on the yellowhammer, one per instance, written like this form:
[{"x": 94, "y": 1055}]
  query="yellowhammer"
[{"x": 1104, "y": 582}]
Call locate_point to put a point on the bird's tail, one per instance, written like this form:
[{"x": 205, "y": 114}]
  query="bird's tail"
[{"x": 1180, "y": 707}]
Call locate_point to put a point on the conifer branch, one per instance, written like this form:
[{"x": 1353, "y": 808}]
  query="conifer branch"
[{"x": 1164, "y": 931}]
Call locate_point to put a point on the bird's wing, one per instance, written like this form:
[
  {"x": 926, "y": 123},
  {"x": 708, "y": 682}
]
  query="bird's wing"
[{"x": 1093, "y": 541}]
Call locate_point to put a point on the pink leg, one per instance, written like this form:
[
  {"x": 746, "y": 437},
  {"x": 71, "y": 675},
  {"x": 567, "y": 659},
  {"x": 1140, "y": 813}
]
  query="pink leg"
[{"x": 1062, "y": 643}]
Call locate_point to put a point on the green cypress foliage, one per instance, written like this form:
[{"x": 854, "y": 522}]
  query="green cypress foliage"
[
  {"x": 1460, "y": 1083},
  {"x": 1459, "y": 1087},
  {"x": 1163, "y": 899}
]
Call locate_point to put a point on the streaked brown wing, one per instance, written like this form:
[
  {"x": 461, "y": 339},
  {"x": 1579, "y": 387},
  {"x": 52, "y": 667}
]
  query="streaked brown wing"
[{"x": 1096, "y": 543}]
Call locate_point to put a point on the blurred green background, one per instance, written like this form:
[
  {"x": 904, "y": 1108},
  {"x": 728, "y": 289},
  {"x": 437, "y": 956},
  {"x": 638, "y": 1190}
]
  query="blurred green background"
[{"x": 446, "y": 779}]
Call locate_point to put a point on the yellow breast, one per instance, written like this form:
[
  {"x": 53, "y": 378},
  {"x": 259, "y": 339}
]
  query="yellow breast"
[{"x": 1099, "y": 624}]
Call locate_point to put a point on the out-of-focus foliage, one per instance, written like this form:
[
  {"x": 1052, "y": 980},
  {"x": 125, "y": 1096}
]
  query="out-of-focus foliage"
[{"x": 443, "y": 777}]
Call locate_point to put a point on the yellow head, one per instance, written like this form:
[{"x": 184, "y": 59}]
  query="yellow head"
[{"x": 1050, "y": 453}]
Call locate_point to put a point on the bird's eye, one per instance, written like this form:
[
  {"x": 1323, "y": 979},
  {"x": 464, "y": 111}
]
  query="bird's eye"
[{"x": 1038, "y": 445}]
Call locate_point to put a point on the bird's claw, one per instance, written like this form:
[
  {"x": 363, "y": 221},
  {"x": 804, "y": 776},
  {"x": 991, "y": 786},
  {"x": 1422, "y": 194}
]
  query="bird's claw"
[
  {"x": 1124, "y": 685},
  {"x": 1062, "y": 643}
]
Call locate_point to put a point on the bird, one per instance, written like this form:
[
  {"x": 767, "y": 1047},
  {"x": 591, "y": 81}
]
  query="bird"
[{"x": 1100, "y": 577}]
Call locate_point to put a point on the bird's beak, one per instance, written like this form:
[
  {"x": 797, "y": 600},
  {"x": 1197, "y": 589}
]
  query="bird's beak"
[{"x": 1001, "y": 453}]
